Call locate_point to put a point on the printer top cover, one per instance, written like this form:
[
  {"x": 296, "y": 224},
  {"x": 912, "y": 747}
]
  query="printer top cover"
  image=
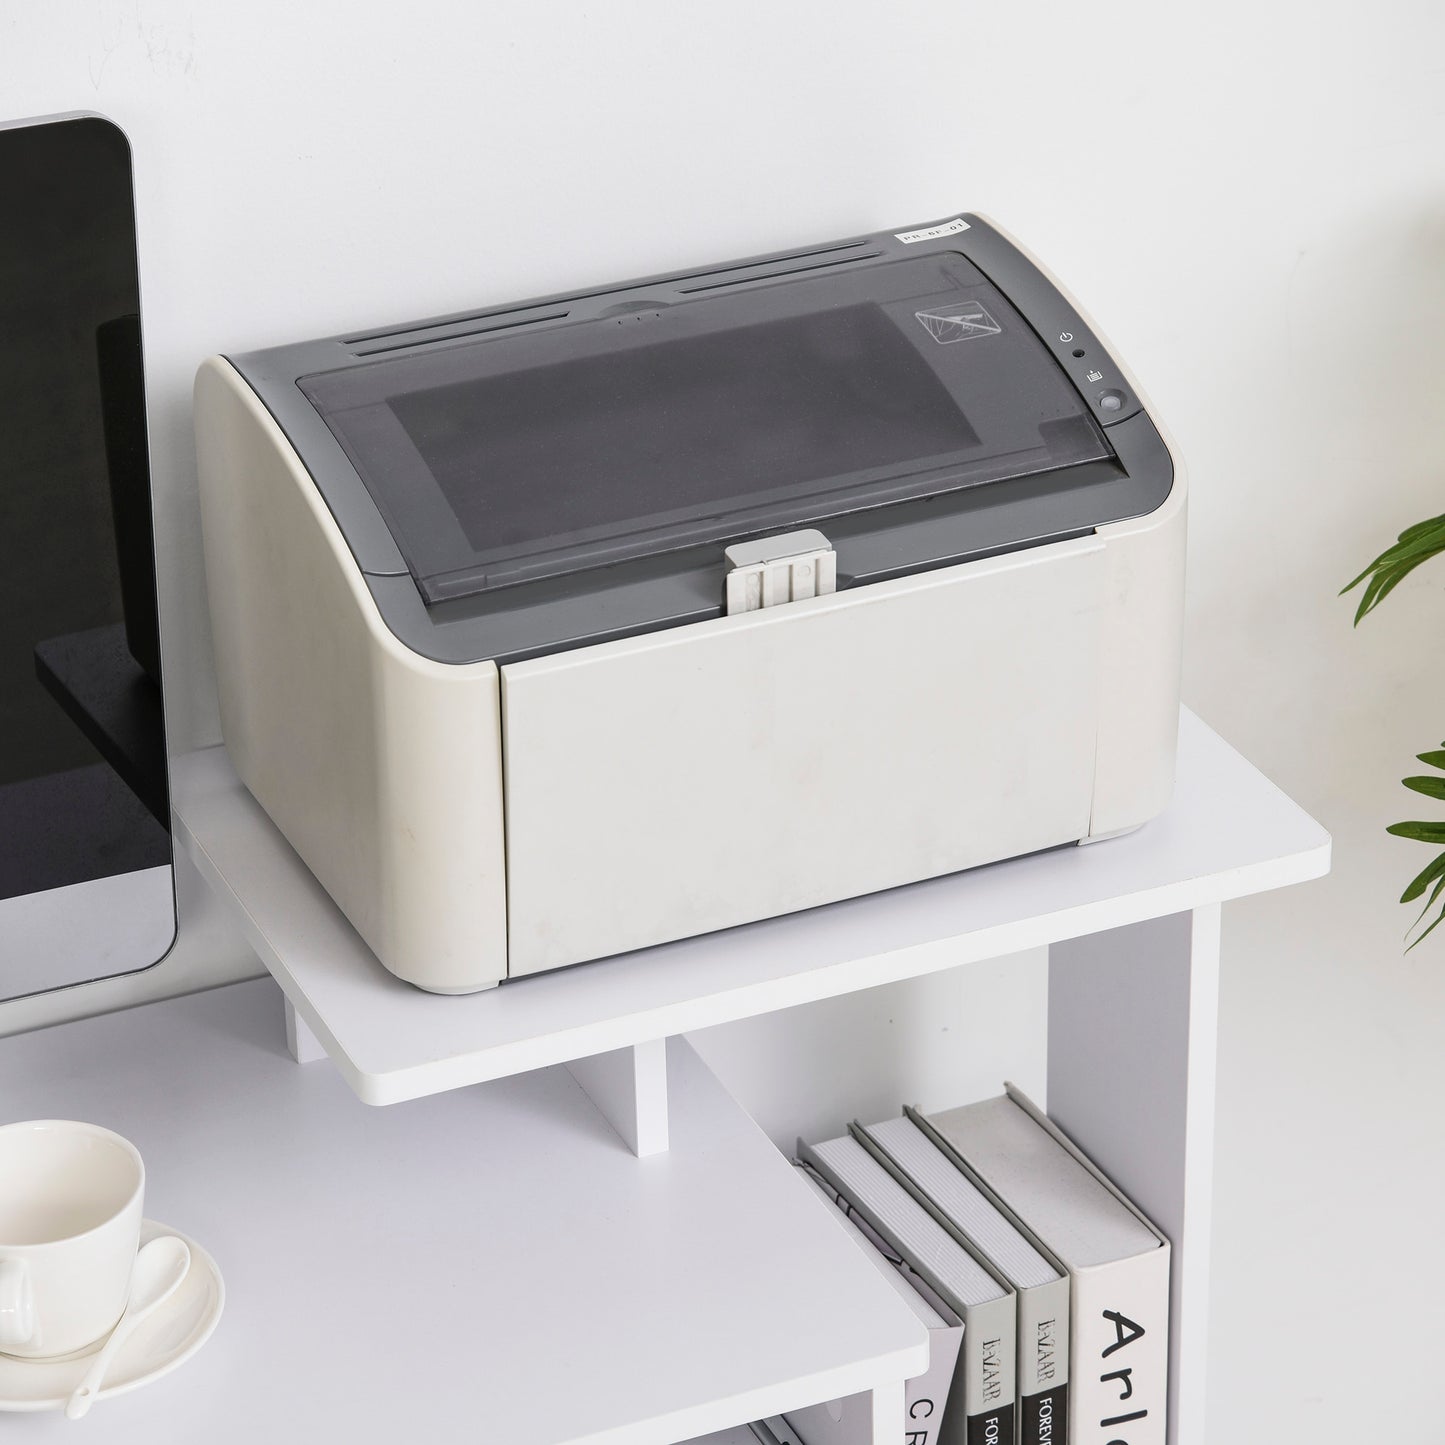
[{"x": 563, "y": 471}]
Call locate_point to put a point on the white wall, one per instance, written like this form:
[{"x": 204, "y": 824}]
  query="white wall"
[{"x": 1254, "y": 209}]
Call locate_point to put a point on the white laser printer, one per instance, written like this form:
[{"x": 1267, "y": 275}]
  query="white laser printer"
[{"x": 571, "y": 627}]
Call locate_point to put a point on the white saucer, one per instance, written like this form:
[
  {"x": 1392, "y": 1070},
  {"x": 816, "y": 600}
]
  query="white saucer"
[{"x": 168, "y": 1338}]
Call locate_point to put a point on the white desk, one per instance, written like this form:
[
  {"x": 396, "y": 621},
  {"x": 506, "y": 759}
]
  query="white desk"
[{"x": 562, "y": 1289}]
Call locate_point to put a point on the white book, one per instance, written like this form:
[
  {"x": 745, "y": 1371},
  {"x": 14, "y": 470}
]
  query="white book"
[
  {"x": 1118, "y": 1262},
  {"x": 850, "y": 1421},
  {"x": 1040, "y": 1283},
  {"x": 981, "y": 1402}
]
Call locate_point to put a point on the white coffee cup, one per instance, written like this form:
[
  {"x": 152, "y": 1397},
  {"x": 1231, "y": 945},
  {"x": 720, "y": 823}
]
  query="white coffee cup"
[{"x": 70, "y": 1217}]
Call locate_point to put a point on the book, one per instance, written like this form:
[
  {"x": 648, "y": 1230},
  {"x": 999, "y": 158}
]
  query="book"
[
  {"x": 1040, "y": 1283},
  {"x": 849, "y": 1421},
  {"x": 980, "y": 1407},
  {"x": 1117, "y": 1261}
]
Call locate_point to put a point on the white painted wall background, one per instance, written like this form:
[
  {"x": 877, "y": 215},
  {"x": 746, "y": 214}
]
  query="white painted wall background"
[{"x": 1252, "y": 205}]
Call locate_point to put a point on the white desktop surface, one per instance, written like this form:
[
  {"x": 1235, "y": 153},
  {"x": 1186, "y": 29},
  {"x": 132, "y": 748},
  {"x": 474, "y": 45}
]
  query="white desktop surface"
[{"x": 487, "y": 1265}]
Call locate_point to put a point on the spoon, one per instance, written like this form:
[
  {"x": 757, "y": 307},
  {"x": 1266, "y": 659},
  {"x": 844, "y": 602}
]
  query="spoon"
[{"x": 157, "y": 1273}]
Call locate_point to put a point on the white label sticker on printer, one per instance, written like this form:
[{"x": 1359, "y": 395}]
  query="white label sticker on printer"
[
  {"x": 958, "y": 323},
  {"x": 932, "y": 233}
]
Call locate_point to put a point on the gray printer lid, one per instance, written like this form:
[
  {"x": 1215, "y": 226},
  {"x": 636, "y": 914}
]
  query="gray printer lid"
[
  {"x": 538, "y": 452},
  {"x": 563, "y": 471}
]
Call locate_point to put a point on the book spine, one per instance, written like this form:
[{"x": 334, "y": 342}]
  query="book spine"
[
  {"x": 1044, "y": 1417},
  {"x": 993, "y": 1427},
  {"x": 1119, "y": 1365},
  {"x": 1043, "y": 1361},
  {"x": 989, "y": 1377}
]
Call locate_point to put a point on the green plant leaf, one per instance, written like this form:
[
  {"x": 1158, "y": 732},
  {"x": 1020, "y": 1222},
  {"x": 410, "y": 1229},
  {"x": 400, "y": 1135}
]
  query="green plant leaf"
[
  {"x": 1368, "y": 600},
  {"x": 1431, "y": 526},
  {"x": 1379, "y": 585},
  {"x": 1424, "y": 878},
  {"x": 1422, "y": 543},
  {"x": 1415, "y": 545},
  {"x": 1390, "y": 580},
  {"x": 1420, "y": 528},
  {"x": 1420, "y": 938},
  {"x": 1431, "y": 787},
  {"x": 1420, "y": 832},
  {"x": 1429, "y": 904},
  {"x": 1385, "y": 583},
  {"x": 1433, "y": 760}
]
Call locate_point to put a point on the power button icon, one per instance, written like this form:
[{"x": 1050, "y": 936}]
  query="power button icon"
[{"x": 1066, "y": 337}]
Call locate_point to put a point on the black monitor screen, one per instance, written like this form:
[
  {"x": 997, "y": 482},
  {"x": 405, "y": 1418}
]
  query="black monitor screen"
[{"x": 85, "y": 848}]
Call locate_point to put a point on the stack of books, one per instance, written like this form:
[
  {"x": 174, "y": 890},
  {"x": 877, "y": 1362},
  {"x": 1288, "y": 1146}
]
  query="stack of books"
[{"x": 1045, "y": 1290}]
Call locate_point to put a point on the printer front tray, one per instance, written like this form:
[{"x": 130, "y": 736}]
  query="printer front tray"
[{"x": 687, "y": 780}]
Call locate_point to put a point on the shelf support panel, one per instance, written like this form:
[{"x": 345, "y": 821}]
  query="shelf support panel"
[
  {"x": 301, "y": 1043},
  {"x": 1132, "y": 1021},
  {"x": 629, "y": 1088},
  {"x": 888, "y": 1413}
]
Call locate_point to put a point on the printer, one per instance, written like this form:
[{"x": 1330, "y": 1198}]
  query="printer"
[{"x": 570, "y": 627}]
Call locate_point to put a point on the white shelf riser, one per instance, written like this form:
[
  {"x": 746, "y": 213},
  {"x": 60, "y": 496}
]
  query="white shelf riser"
[{"x": 1229, "y": 832}]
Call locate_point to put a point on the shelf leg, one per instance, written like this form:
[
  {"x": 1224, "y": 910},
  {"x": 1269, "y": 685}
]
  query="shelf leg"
[
  {"x": 888, "y": 1419},
  {"x": 304, "y": 1046},
  {"x": 1133, "y": 1014},
  {"x": 629, "y": 1088}
]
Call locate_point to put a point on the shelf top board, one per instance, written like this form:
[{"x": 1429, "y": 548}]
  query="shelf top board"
[
  {"x": 1228, "y": 832},
  {"x": 492, "y": 1264}
]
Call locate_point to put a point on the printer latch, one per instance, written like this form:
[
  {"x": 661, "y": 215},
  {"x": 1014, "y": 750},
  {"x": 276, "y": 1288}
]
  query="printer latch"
[{"x": 773, "y": 570}]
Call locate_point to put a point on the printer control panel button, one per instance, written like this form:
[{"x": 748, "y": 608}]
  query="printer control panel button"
[{"x": 1088, "y": 366}]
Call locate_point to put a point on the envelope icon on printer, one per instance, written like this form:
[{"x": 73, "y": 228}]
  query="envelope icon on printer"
[{"x": 958, "y": 323}]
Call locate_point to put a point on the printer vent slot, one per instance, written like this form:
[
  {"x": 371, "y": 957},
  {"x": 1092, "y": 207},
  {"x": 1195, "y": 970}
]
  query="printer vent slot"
[
  {"x": 783, "y": 267},
  {"x": 400, "y": 338},
  {"x": 786, "y": 258},
  {"x": 445, "y": 331}
]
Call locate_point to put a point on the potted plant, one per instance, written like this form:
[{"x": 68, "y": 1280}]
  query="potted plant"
[{"x": 1415, "y": 545}]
